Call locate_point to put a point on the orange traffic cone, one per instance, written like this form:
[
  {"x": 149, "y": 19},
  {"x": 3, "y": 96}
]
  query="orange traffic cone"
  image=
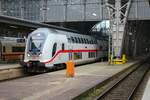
[{"x": 70, "y": 69}]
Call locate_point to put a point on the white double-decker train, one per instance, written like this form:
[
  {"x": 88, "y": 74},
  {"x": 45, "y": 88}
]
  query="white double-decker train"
[{"x": 46, "y": 48}]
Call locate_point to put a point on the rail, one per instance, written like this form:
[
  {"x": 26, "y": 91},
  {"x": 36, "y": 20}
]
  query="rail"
[{"x": 126, "y": 86}]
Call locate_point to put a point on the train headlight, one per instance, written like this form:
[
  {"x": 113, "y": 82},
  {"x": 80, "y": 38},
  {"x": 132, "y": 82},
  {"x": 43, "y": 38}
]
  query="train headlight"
[
  {"x": 28, "y": 55},
  {"x": 40, "y": 54}
]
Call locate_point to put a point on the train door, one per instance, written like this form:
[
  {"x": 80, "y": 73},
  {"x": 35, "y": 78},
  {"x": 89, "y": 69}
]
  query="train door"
[
  {"x": 60, "y": 48},
  {"x": 70, "y": 47}
]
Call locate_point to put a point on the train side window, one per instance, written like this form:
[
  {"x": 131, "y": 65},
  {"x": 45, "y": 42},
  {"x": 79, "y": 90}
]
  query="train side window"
[
  {"x": 69, "y": 40},
  {"x": 87, "y": 41},
  {"x": 72, "y": 39},
  {"x": 79, "y": 39},
  {"x": 84, "y": 40},
  {"x": 54, "y": 49},
  {"x": 18, "y": 49},
  {"x": 92, "y": 42},
  {"x": 63, "y": 47},
  {"x": 96, "y": 41},
  {"x": 20, "y": 40},
  {"x": 76, "y": 40},
  {"x": 4, "y": 50}
]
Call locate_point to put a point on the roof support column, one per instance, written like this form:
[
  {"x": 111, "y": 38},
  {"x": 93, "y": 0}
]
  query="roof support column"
[
  {"x": 118, "y": 17},
  {"x": 0, "y": 7}
]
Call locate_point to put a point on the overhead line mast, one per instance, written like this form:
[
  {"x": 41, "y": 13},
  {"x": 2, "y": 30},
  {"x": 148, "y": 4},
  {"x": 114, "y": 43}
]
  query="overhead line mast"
[{"x": 118, "y": 11}]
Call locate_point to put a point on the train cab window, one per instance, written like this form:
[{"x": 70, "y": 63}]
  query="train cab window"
[
  {"x": 63, "y": 47},
  {"x": 54, "y": 49}
]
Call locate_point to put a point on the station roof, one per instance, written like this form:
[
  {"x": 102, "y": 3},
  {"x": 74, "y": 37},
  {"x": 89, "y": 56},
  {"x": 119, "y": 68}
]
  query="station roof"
[{"x": 26, "y": 23}]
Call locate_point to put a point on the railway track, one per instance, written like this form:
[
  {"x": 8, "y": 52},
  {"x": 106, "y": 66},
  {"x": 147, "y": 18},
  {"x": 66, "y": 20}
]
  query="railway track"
[{"x": 125, "y": 87}]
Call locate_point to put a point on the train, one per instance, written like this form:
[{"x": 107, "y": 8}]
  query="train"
[
  {"x": 12, "y": 49},
  {"x": 48, "y": 48}
]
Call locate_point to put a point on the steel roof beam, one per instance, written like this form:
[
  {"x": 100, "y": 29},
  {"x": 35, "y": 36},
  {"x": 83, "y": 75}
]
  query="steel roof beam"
[{"x": 27, "y": 23}]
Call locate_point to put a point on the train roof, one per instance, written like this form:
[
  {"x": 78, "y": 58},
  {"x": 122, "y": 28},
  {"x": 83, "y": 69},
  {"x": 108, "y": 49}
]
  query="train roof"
[{"x": 12, "y": 39}]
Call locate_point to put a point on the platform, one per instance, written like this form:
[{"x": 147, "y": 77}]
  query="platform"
[
  {"x": 9, "y": 66},
  {"x": 146, "y": 95},
  {"x": 9, "y": 71},
  {"x": 56, "y": 86}
]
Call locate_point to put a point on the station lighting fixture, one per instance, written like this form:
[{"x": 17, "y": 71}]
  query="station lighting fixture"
[
  {"x": 13, "y": 26},
  {"x": 94, "y": 14}
]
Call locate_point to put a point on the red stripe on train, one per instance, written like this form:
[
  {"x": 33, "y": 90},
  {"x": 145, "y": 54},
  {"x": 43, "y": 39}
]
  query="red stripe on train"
[{"x": 67, "y": 51}]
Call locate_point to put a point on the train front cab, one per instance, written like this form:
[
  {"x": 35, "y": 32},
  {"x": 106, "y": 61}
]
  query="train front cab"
[{"x": 43, "y": 51}]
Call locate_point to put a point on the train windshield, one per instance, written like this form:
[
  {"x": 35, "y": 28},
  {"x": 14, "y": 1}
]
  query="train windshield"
[{"x": 36, "y": 42}]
